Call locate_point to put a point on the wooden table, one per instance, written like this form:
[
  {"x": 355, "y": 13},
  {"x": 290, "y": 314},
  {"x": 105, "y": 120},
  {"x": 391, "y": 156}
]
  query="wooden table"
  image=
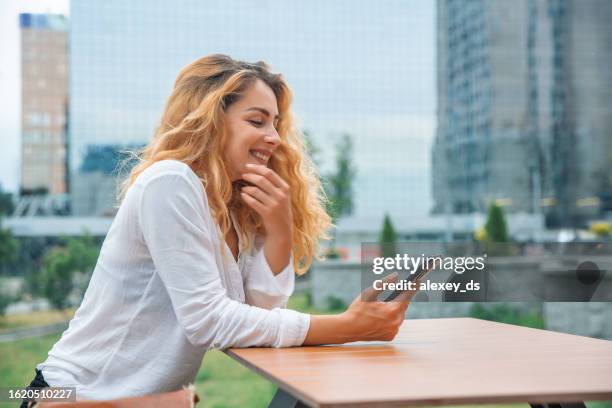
[{"x": 439, "y": 362}]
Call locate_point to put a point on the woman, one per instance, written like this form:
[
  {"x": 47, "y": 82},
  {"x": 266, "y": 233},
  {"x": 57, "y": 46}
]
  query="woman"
[{"x": 220, "y": 213}]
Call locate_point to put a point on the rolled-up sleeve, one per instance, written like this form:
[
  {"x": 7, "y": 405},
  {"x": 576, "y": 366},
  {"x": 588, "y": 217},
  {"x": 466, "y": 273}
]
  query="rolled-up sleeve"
[
  {"x": 263, "y": 288},
  {"x": 175, "y": 223}
]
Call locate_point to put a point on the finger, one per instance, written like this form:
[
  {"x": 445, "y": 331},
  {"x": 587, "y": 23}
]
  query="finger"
[
  {"x": 258, "y": 194},
  {"x": 407, "y": 295},
  {"x": 253, "y": 203},
  {"x": 371, "y": 294},
  {"x": 261, "y": 182},
  {"x": 269, "y": 174}
]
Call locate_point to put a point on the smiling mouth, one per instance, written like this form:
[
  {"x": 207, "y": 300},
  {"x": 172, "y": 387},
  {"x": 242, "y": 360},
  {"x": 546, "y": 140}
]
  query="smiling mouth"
[{"x": 262, "y": 158}]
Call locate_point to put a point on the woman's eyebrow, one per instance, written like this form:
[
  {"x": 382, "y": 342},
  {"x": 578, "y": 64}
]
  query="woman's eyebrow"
[{"x": 262, "y": 110}]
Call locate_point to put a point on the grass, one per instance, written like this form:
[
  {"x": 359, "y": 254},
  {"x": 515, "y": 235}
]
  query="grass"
[
  {"x": 18, "y": 359},
  {"x": 220, "y": 383},
  {"x": 12, "y": 322}
]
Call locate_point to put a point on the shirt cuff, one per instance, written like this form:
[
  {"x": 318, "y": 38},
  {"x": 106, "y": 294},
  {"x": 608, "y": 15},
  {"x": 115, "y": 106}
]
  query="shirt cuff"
[{"x": 293, "y": 328}]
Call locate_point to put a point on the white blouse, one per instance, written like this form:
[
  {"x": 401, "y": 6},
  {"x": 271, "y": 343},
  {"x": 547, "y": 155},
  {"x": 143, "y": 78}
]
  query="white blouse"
[{"x": 162, "y": 294}]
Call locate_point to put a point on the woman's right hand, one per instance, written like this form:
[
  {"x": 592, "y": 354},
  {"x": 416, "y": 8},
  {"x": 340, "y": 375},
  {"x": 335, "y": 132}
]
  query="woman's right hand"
[
  {"x": 366, "y": 319},
  {"x": 372, "y": 319}
]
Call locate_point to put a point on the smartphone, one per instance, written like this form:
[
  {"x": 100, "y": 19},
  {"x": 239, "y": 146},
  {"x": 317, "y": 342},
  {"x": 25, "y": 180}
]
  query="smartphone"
[{"x": 420, "y": 273}]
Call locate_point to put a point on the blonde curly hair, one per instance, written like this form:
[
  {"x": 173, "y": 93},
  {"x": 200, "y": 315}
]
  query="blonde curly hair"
[{"x": 193, "y": 131}]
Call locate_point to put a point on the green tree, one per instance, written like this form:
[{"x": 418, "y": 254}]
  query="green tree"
[
  {"x": 339, "y": 185},
  {"x": 61, "y": 264},
  {"x": 6, "y": 202},
  {"x": 496, "y": 228},
  {"x": 388, "y": 238},
  {"x": 32, "y": 283},
  {"x": 57, "y": 277},
  {"x": 5, "y": 299},
  {"x": 9, "y": 246},
  {"x": 84, "y": 252}
]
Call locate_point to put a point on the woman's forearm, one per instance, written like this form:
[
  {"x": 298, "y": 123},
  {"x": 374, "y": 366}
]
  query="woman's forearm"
[
  {"x": 278, "y": 253},
  {"x": 366, "y": 319},
  {"x": 329, "y": 329}
]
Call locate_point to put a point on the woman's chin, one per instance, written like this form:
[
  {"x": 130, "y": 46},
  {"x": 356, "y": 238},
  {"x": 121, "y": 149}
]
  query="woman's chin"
[{"x": 253, "y": 160}]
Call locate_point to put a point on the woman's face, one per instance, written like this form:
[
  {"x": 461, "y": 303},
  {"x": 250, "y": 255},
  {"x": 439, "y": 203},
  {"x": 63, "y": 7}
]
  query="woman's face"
[{"x": 252, "y": 121}]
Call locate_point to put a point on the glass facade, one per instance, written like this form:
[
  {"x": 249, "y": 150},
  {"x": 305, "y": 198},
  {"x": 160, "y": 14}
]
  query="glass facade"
[
  {"x": 518, "y": 121},
  {"x": 357, "y": 67}
]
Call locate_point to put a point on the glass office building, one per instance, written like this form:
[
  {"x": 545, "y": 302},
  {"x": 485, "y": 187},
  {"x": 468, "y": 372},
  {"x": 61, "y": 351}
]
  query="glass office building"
[
  {"x": 357, "y": 67},
  {"x": 523, "y": 91}
]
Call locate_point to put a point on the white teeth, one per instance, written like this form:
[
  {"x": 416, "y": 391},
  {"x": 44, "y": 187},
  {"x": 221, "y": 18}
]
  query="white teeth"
[{"x": 260, "y": 156}]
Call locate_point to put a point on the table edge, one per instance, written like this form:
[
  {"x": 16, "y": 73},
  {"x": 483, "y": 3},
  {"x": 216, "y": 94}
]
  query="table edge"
[
  {"x": 281, "y": 384},
  {"x": 539, "y": 398}
]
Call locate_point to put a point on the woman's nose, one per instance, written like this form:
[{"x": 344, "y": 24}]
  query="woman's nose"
[{"x": 272, "y": 137}]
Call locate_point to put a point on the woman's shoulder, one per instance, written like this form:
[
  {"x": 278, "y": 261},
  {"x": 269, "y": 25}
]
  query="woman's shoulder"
[
  {"x": 167, "y": 169},
  {"x": 171, "y": 182}
]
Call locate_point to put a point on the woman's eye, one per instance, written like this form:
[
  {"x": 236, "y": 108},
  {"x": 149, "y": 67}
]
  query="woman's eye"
[{"x": 256, "y": 122}]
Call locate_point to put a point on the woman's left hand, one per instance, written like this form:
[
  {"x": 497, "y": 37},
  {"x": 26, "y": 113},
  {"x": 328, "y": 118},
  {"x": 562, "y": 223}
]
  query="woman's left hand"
[{"x": 269, "y": 197}]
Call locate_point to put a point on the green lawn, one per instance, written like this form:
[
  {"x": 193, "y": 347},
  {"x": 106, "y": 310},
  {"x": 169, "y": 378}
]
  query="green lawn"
[
  {"x": 221, "y": 381},
  {"x": 12, "y": 322}
]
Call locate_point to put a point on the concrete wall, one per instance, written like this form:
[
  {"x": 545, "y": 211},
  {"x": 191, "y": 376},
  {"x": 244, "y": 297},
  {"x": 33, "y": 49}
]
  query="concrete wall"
[{"x": 593, "y": 319}]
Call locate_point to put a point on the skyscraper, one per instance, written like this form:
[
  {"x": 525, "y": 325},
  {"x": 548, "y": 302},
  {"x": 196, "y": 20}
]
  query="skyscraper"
[
  {"x": 521, "y": 94},
  {"x": 44, "y": 72}
]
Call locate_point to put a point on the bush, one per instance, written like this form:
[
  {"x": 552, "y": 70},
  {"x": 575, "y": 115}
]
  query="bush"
[
  {"x": 496, "y": 228},
  {"x": 335, "y": 304},
  {"x": 308, "y": 298},
  {"x": 507, "y": 314},
  {"x": 5, "y": 299},
  {"x": 601, "y": 229},
  {"x": 336, "y": 253}
]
